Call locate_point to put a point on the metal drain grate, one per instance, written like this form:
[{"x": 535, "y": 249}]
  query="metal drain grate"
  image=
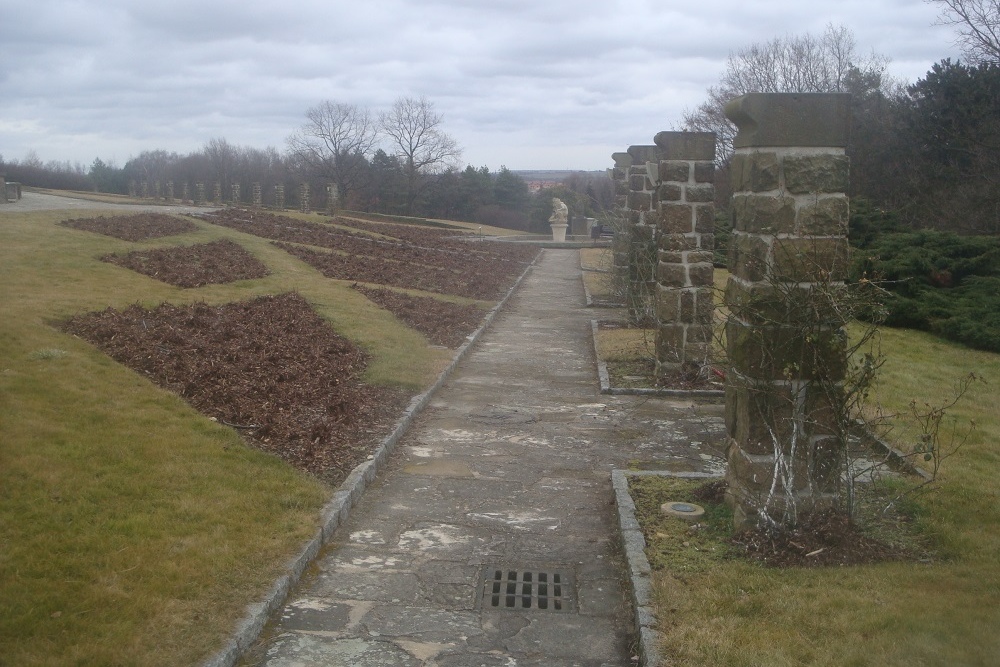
[{"x": 522, "y": 590}]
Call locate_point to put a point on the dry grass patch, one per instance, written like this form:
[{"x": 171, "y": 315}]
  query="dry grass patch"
[{"x": 941, "y": 608}]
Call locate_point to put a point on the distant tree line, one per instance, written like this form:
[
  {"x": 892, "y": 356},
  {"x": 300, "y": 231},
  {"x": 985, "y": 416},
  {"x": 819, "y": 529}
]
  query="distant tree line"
[{"x": 399, "y": 162}]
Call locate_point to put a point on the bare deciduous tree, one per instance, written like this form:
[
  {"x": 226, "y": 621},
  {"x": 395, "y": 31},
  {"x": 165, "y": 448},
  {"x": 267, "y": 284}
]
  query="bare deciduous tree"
[
  {"x": 414, "y": 130},
  {"x": 790, "y": 64},
  {"x": 332, "y": 142},
  {"x": 978, "y": 23}
]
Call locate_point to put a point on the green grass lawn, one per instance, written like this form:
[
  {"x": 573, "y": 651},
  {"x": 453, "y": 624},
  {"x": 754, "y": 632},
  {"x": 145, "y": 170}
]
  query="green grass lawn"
[
  {"x": 133, "y": 530},
  {"x": 945, "y": 611}
]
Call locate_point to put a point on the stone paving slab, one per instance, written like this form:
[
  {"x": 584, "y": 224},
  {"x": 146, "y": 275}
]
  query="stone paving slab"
[{"x": 509, "y": 466}]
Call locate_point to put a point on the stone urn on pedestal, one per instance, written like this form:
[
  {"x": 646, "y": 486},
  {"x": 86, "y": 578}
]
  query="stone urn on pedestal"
[{"x": 559, "y": 220}]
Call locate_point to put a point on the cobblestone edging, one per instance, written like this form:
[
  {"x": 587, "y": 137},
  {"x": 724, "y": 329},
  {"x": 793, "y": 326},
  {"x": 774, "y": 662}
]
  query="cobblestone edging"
[
  {"x": 339, "y": 507},
  {"x": 606, "y": 388},
  {"x": 639, "y": 572}
]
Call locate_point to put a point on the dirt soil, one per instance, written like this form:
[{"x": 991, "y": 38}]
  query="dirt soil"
[
  {"x": 270, "y": 367},
  {"x": 193, "y": 266},
  {"x": 135, "y": 227}
]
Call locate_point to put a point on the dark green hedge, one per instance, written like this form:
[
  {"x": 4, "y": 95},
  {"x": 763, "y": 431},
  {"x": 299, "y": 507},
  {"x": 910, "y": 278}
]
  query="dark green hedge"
[{"x": 938, "y": 281}]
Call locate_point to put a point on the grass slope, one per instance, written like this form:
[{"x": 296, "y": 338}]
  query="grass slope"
[{"x": 132, "y": 529}]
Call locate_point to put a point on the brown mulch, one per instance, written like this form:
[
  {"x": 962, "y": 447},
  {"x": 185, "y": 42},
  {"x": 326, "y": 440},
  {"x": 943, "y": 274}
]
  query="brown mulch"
[
  {"x": 193, "y": 266},
  {"x": 442, "y": 322},
  {"x": 135, "y": 227},
  {"x": 270, "y": 367}
]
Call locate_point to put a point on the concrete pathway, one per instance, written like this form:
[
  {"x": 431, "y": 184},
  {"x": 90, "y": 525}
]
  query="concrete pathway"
[{"x": 489, "y": 539}]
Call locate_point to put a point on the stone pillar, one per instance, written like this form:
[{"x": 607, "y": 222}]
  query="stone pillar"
[
  {"x": 132, "y": 189},
  {"x": 170, "y": 191},
  {"x": 256, "y": 197},
  {"x": 279, "y": 197},
  {"x": 304, "y": 197},
  {"x": 157, "y": 190},
  {"x": 199, "y": 193},
  {"x": 640, "y": 289},
  {"x": 144, "y": 189},
  {"x": 623, "y": 228},
  {"x": 185, "y": 192},
  {"x": 236, "y": 193},
  {"x": 217, "y": 193},
  {"x": 785, "y": 341},
  {"x": 684, "y": 176},
  {"x": 332, "y": 199}
]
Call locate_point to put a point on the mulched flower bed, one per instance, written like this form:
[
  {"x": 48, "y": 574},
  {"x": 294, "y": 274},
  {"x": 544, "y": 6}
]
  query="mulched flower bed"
[
  {"x": 443, "y": 323},
  {"x": 135, "y": 227},
  {"x": 270, "y": 367},
  {"x": 193, "y": 266}
]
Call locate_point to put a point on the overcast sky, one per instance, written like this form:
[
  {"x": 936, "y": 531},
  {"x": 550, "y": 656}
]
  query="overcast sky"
[{"x": 530, "y": 84}]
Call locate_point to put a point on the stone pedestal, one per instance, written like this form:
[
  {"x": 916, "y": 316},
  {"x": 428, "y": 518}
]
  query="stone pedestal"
[
  {"x": 559, "y": 233},
  {"x": 785, "y": 341}
]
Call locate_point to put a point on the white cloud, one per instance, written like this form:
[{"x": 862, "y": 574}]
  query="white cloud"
[{"x": 529, "y": 84}]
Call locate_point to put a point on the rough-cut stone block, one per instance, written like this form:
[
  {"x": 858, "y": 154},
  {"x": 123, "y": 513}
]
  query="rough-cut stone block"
[
  {"x": 677, "y": 242},
  {"x": 668, "y": 303},
  {"x": 672, "y": 275},
  {"x": 748, "y": 257},
  {"x": 669, "y": 343},
  {"x": 816, "y": 173},
  {"x": 686, "y": 145},
  {"x": 622, "y": 160},
  {"x": 756, "y": 171},
  {"x": 701, "y": 273},
  {"x": 671, "y": 256},
  {"x": 805, "y": 260},
  {"x": 704, "y": 172},
  {"x": 676, "y": 172},
  {"x": 790, "y": 119},
  {"x": 828, "y": 216},
  {"x": 687, "y": 306},
  {"x": 762, "y": 214},
  {"x": 638, "y": 183},
  {"x": 642, "y": 154},
  {"x": 640, "y": 201},
  {"x": 671, "y": 192},
  {"x": 750, "y": 474},
  {"x": 700, "y": 193},
  {"x": 704, "y": 220},
  {"x": 700, "y": 256},
  {"x": 765, "y": 421},
  {"x": 699, "y": 334},
  {"x": 786, "y": 352},
  {"x": 704, "y": 305},
  {"x": 707, "y": 241},
  {"x": 676, "y": 219}
]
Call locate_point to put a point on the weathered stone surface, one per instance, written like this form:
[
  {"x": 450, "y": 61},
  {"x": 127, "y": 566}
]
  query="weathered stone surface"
[
  {"x": 640, "y": 201},
  {"x": 704, "y": 305},
  {"x": 670, "y": 343},
  {"x": 686, "y": 145},
  {"x": 828, "y": 216},
  {"x": 704, "y": 172},
  {"x": 801, "y": 260},
  {"x": 672, "y": 275},
  {"x": 622, "y": 160},
  {"x": 700, "y": 193},
  {"x": 677, "y": 242},
  {"x": 676, "y": 219},
  {"x": 762, "y": 214},
  {"x": 748, "y": 257},
  {"x": 790, "y": 119},
  {"x": 674, "y": 171},
  {"x": 671, "y": 192},
  {"x": 701, "y": 273},
  {"x": 642, "y": 154},
  {"x": 786, "y": 352},
  {"x": 704, "y": 225},
  {"x": 756, "y": 171},
  {"x": 668, "y": 303},
  {"x": 816, "y": 173},
  {"x": 638, "y": 183}
]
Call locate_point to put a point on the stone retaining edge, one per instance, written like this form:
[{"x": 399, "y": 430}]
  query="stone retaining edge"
[
  {"x": 336, "y": 511},
  {"x": 606, "y": 388},
  {"x": 639, "y": 572}
]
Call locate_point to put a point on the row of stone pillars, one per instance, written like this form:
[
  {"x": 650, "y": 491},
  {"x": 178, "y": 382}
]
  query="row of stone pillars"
[
  {"x": 785, "y": 347},
  {"x": 166, "y": 191}
]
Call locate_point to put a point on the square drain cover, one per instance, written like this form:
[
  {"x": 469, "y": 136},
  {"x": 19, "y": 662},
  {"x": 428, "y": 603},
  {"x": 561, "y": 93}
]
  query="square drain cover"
[{"x": 539, "y": 589}]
